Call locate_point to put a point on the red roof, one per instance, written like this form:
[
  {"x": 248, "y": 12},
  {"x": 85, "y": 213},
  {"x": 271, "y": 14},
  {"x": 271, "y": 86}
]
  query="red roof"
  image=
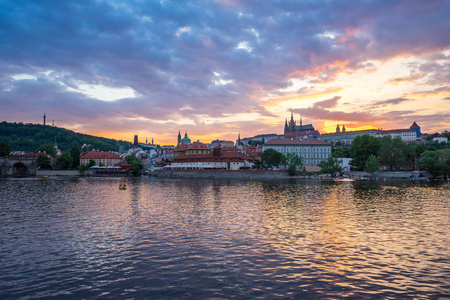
[
  {"x": 210, "y": 157},
  {"x": 101, "y": 155},
  {"x": 347, "y": 131},
  {"x": 397, "y": 131},
  {"x": 296, "y": 142},
  {"x": 182, "y": 147},
  {"x": 197, "y": 146}
]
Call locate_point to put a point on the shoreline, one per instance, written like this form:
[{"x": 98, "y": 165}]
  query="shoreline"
[{"x": 250, "y": 174}]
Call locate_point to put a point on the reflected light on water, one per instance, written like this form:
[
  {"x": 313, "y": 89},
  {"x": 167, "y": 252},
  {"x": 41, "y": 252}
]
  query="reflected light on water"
[{"x": 177, "y": 238}]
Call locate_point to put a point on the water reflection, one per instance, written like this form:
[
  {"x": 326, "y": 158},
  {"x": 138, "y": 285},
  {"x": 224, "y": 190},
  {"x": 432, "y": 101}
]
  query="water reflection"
[{"x": 177, "y": 238}]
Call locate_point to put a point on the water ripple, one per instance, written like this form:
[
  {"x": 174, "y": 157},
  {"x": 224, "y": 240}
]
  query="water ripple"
[{"x": 172, "y": 238}]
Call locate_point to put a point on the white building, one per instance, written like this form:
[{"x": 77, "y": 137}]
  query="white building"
[
  {"x": 407, "y": 135},
  {"x": 311, "y": 151},
  {"x": 440, "y": 139}
]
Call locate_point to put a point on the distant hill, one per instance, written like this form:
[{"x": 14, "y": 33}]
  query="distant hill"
[{"x": 29, "y": 137}]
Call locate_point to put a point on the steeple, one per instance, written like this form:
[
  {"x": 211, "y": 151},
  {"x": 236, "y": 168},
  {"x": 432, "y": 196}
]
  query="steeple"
[
  {"x": 239, "y": 139},
  {"x": 179, "y": 137},
  {"x": 338, "y": 130},
  {"x": 301, "y": 124},
  {"x": 152, "y": 142},
  {"x": 44, "y": 118},
  {"x": 343, "y": 127}
]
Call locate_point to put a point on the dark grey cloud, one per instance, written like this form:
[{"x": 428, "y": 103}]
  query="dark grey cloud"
[{"x": 168, "y": 52}]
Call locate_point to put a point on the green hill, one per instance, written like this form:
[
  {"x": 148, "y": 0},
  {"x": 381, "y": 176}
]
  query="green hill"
[{"x": 29, "y": 137}]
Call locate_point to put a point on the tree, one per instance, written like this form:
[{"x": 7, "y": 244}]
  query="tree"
[
  {"x": 431, "y": 161},
  {"x": 135, "y": 164},
  {"x": 331, "y": 166},
  {"x": 362, "y": 147},
  {"x": 47, "y": 148},
  {"x": 64, "y": 161},
  {"x": 75, "y": 154},
  {"x": 44, "y": 162},
  {"x": 271, "y": 158},
  {"x": 372, "y": 164},
  {"x": 85, "y": 167},
  {"x": 392, "y": 151},
  {"x": 292, "y": 161},
  {"x": 5, "y": 149}
]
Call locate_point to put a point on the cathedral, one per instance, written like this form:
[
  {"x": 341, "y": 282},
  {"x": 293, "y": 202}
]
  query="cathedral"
[{"x": 292, "y": 127}]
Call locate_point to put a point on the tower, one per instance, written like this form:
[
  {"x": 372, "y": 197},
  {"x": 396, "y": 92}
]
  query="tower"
[
  {"x": 338, "y": 130},
  {"x": 135, "y": 143},
  {"x": 416, "y": 128},
  {"x": 343, "y": 127},
  {"x": 239, "y": 139},
  {"x": 44, "y": 118},
  {"x": 179, "y": 137},
  {"x": 152, "y": 142}
]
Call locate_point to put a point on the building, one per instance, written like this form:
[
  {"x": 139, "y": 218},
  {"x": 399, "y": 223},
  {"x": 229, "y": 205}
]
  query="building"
[
  {"x": 222, "y": 143},
  {"x": 407, "y": 135},
  {"x": 216, "y": 160},
  {"x": 345, "y": 137},
  {"x": 311, "y": 151},
  {"x": 185, "y": 140},
  {"x": 440, "y": 139},
  {"x": 261, "y": 138},
  {"x": 197, "y": 148},
  {"x": 105, "y": 158},
  {"x": 292, "y": 127}
]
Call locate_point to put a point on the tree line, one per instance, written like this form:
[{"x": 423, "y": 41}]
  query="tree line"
[
  {"x": 369, "y": 154},
  {"x": 30, "y": 137}
]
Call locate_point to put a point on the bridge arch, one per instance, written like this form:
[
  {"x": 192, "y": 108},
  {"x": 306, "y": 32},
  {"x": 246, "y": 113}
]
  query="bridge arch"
[{"x": 20, "y": 169}]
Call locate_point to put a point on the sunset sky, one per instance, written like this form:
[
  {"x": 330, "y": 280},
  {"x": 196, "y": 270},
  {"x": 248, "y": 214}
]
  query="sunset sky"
[{"x": 216, "y": 68}]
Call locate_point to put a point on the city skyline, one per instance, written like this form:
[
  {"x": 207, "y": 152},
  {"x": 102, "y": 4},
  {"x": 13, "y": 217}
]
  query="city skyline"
[{"x": 219, "y": 68}]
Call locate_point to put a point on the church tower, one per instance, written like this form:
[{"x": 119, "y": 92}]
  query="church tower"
[
  {"x": 338, "y": 130},
  {"x": 135, "y": 142},
  {"x": 286, "y": 128},
  {"x": 179, "y": 138},
  {"x": 343, "y": 127},
  {"x": 44, "y": 118}
]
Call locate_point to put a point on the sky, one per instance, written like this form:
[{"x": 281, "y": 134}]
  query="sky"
[{"x": 214, "y": 69}]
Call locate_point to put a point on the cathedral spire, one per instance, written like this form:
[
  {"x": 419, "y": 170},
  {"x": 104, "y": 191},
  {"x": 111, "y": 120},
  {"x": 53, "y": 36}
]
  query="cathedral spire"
[{"x": 338, "y": 130}]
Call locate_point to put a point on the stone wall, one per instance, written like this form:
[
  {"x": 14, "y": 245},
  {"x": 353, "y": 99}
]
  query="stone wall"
[{"x": 245, "y": 174}]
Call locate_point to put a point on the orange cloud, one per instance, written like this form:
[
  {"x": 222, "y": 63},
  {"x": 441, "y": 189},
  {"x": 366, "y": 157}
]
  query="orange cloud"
[
  {"x": 304, "y": 94},
  {"x": 405, "y": 79},
  {"x": 443, "y": 91},
  {"x": 333, "y": 69}
]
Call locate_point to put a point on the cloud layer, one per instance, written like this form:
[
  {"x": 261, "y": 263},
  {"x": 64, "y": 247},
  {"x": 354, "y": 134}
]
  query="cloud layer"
[{"x": 214, "y": 67}]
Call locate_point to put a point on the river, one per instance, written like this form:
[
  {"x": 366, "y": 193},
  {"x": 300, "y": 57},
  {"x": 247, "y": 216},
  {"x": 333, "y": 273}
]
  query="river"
[{"x": 83, "y": 238}]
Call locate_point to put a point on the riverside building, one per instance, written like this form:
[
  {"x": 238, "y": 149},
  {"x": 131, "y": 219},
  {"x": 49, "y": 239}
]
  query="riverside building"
[{"x": 311, "y": 151}]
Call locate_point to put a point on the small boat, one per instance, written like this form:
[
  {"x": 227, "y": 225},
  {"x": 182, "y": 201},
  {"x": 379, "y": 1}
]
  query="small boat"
[{"x": 123, "y": 187}]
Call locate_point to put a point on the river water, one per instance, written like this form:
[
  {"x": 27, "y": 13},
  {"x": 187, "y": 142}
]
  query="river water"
[{"x": 83, "y": 238}]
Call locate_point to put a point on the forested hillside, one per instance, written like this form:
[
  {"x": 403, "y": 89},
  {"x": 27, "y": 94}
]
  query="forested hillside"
[{"x": 29, "y": 137}]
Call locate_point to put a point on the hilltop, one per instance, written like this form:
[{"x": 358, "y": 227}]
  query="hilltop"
[{"x": 29, "y": 137}]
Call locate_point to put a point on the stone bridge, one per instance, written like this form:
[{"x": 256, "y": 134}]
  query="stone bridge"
[{"x": 17, "y": 167}]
